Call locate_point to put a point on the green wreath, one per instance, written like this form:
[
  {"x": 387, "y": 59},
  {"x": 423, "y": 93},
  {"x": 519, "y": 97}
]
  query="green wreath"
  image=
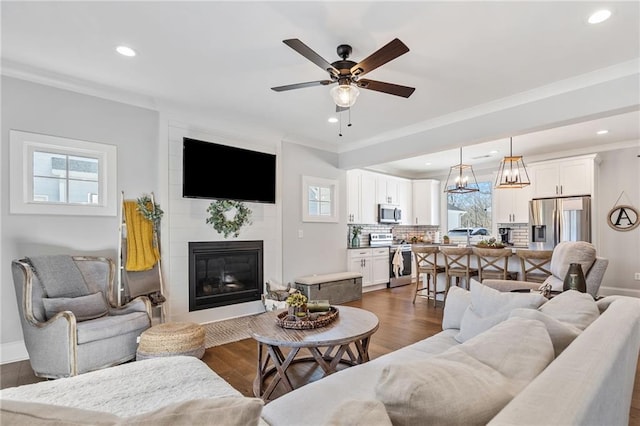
[
  {"x": 217, "y": 210},
  {"x": 149, "y": 210}
]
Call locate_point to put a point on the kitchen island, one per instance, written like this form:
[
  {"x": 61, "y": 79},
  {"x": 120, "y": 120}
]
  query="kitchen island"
[{"x": 516, "y": 264}]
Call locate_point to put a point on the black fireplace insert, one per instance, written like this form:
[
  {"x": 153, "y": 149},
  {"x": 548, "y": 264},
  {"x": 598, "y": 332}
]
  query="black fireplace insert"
[{"x": 224, "y": 273}]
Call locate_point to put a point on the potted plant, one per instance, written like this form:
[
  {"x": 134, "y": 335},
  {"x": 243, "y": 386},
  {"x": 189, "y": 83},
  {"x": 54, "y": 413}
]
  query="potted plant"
[
  {"x": 356, "y": 230},
  {"x": 490, "y": 243},
  {"x": 297, "y": 303},
  {"x": 446, "y": 239}
]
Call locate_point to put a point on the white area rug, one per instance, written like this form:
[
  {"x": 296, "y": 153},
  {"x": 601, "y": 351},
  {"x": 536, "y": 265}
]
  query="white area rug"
[{"x": 227, "y": 331}]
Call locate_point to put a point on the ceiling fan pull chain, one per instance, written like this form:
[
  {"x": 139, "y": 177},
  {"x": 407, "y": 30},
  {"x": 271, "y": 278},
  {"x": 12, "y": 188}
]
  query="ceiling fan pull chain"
[
  {"x": 349, "y": 125},
  {"x": 340, "y": 115}
]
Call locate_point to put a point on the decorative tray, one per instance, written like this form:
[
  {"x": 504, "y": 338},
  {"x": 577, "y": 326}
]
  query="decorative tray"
[{"x": 284, "y": 320}]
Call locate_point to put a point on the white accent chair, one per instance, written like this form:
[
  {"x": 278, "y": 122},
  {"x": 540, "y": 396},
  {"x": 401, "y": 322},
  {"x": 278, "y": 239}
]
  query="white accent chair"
[{"x": 564, "y": 253}]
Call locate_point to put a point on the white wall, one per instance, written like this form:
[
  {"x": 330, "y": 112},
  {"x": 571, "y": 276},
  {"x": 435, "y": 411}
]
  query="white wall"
[
  {"x": 323, "y": 246},
  {"x": 43, "y": 109},
  {"x": 186, "y": 221},
  {"x": 619, "y": 174}
]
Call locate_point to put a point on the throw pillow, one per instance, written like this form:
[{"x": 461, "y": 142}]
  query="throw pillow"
[
  {"x": 470, "y": 383},
  {"x": 457, "y": 302},
  {"x": 17, "y": 413},
  {"x": 562, "y": 334},
  {"x": 228, "y": 411},
  {"x": 360, "y": 412},
  {"x": 572, "y": 307},
  {"x": 84, "y": 308},
  {"x": 489, "y": 307}
]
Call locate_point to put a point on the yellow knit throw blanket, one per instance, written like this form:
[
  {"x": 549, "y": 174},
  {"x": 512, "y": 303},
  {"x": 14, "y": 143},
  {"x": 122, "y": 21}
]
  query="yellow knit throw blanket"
[{"x": 142, "y": 252}]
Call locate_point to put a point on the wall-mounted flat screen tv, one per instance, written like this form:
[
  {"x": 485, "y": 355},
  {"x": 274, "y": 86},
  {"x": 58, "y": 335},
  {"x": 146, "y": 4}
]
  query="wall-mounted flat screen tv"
[{"x": 222, "y": 172}]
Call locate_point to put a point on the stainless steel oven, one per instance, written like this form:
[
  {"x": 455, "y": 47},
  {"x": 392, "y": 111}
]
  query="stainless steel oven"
[
  {"x": 403, "y": 276},
  {"x": 399, "y": 276}
]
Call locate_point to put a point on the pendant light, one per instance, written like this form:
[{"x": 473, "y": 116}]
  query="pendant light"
[
  {"x": 461, "y": 179},
  {"x": 512, "y": 172}
]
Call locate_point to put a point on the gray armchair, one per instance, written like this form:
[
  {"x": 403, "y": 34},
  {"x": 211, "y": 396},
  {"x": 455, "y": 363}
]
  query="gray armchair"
[
  {"x": 563, "y": 254},
  {"x": 70, "y": 335}
]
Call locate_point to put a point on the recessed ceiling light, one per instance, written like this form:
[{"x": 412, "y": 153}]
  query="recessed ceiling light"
[
  {"x": 493, "y": 152},
  {"x": 332, "y": 120},
  {"x": 427, "y": 164},
  {"x": 125, "y": 51},
  {"x": 602, "y": 132},
  {"x": 599, "y": 16}
]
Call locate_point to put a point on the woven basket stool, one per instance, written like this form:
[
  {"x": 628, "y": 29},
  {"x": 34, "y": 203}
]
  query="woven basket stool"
[{"x": 172, "y": 338}]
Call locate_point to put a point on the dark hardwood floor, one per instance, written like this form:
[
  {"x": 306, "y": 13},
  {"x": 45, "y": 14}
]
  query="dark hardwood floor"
[{"x": 401, "y": 323}]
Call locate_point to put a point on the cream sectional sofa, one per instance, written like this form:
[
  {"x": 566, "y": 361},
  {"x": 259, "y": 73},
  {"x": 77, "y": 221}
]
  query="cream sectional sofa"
[
  {"x": 589, "y": 383},
  {"x": 509, "y": 347}
]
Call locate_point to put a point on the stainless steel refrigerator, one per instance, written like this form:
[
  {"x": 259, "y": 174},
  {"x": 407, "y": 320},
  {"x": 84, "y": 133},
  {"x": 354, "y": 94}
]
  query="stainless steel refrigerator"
[{"x": 552, "y": 220}]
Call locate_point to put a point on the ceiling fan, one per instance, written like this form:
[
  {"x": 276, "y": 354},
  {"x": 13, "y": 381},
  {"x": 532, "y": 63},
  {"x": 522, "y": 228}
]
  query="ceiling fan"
[{"x": 348, "y": 73}]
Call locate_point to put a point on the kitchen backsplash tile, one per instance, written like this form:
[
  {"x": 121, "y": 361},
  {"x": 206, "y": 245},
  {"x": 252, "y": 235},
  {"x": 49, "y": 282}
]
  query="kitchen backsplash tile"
[{"x": 520, "y": 232}]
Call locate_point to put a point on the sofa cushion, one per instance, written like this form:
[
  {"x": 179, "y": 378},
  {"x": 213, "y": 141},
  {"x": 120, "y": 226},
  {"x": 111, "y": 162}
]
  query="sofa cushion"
[
  {"x": 566, "y": 253},
  {"x": 109, "y": 326},
  {"x": 572, "y": 307},
  {"x": 229, "y": 411},
  {"x": 470, "y": 383},
  {"x": 84, "y": 308},
  {"x": 18, "y": 413},
  {"x": 457, "y": 302},
  {"x": 489, "y": 307},
  {"x": 370, "y": 412},
  {"x": 561, "y": 334}
]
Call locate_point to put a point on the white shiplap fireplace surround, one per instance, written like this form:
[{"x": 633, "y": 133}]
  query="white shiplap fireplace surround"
[{"x": 186, "y": 222}]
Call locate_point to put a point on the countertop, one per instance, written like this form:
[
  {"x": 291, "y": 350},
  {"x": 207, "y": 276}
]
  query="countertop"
[{"x": 439, "y": 245}]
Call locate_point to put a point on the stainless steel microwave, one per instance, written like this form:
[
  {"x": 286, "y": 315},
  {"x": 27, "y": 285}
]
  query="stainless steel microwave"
[{"x": 389, "y": 213}]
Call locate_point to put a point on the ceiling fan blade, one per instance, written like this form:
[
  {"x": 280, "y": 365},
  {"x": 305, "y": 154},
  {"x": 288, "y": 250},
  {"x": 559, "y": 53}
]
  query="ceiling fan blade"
[
  {"x": 302, "y": 85},
  {"x": 380, "y": 86},
  {"x": 386, "y": 53},
  {"x": 306, "y": 51}
]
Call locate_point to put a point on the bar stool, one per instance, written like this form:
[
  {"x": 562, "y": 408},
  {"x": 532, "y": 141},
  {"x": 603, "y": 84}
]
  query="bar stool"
[
  {"x": 427, "y": 263},
  {"x": 493, "y": 263},
  {"x": 457, "y": 262},
  {"x": 532, "y": 264}
]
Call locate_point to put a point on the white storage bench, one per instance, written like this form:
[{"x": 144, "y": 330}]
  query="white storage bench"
[{"x": 337, "y": 288}]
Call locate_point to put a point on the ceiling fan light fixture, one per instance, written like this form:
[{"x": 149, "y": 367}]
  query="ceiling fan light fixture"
[
  {"x": 345, "y": 95},
  {"x": 512, "y": 172},
  {"x": 462, "y": 178}
]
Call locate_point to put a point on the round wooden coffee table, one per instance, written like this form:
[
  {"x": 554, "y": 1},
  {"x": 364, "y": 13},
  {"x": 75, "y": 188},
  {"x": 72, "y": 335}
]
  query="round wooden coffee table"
[{"x": 345, "y": 340}]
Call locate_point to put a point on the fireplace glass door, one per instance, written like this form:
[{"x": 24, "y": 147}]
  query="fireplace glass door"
[{"x": 224, "y": 273}]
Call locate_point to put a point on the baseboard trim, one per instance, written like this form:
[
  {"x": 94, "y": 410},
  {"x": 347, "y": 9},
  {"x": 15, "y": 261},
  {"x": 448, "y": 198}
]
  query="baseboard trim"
[
  {"x": 13, "y": 351},
  {"x": 610, "y": 291}
]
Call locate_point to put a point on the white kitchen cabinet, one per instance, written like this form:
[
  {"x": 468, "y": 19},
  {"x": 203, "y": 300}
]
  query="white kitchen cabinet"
[
  {"x": 386, "y": 189},
  {"x": 405, "y": 200},
  {"x": 563, "y": 177},
  {"x": 511, "y": 205},
  {"x": 426, "y": 202},
  {"x": 372, "y": 263},
  {"x": 353, "y": 196},
  {"x": 361, "y": 197},
  {"x": 380, "y": 266}
]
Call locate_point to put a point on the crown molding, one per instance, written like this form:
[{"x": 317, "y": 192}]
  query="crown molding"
[{"x": 61, "y": 81}]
